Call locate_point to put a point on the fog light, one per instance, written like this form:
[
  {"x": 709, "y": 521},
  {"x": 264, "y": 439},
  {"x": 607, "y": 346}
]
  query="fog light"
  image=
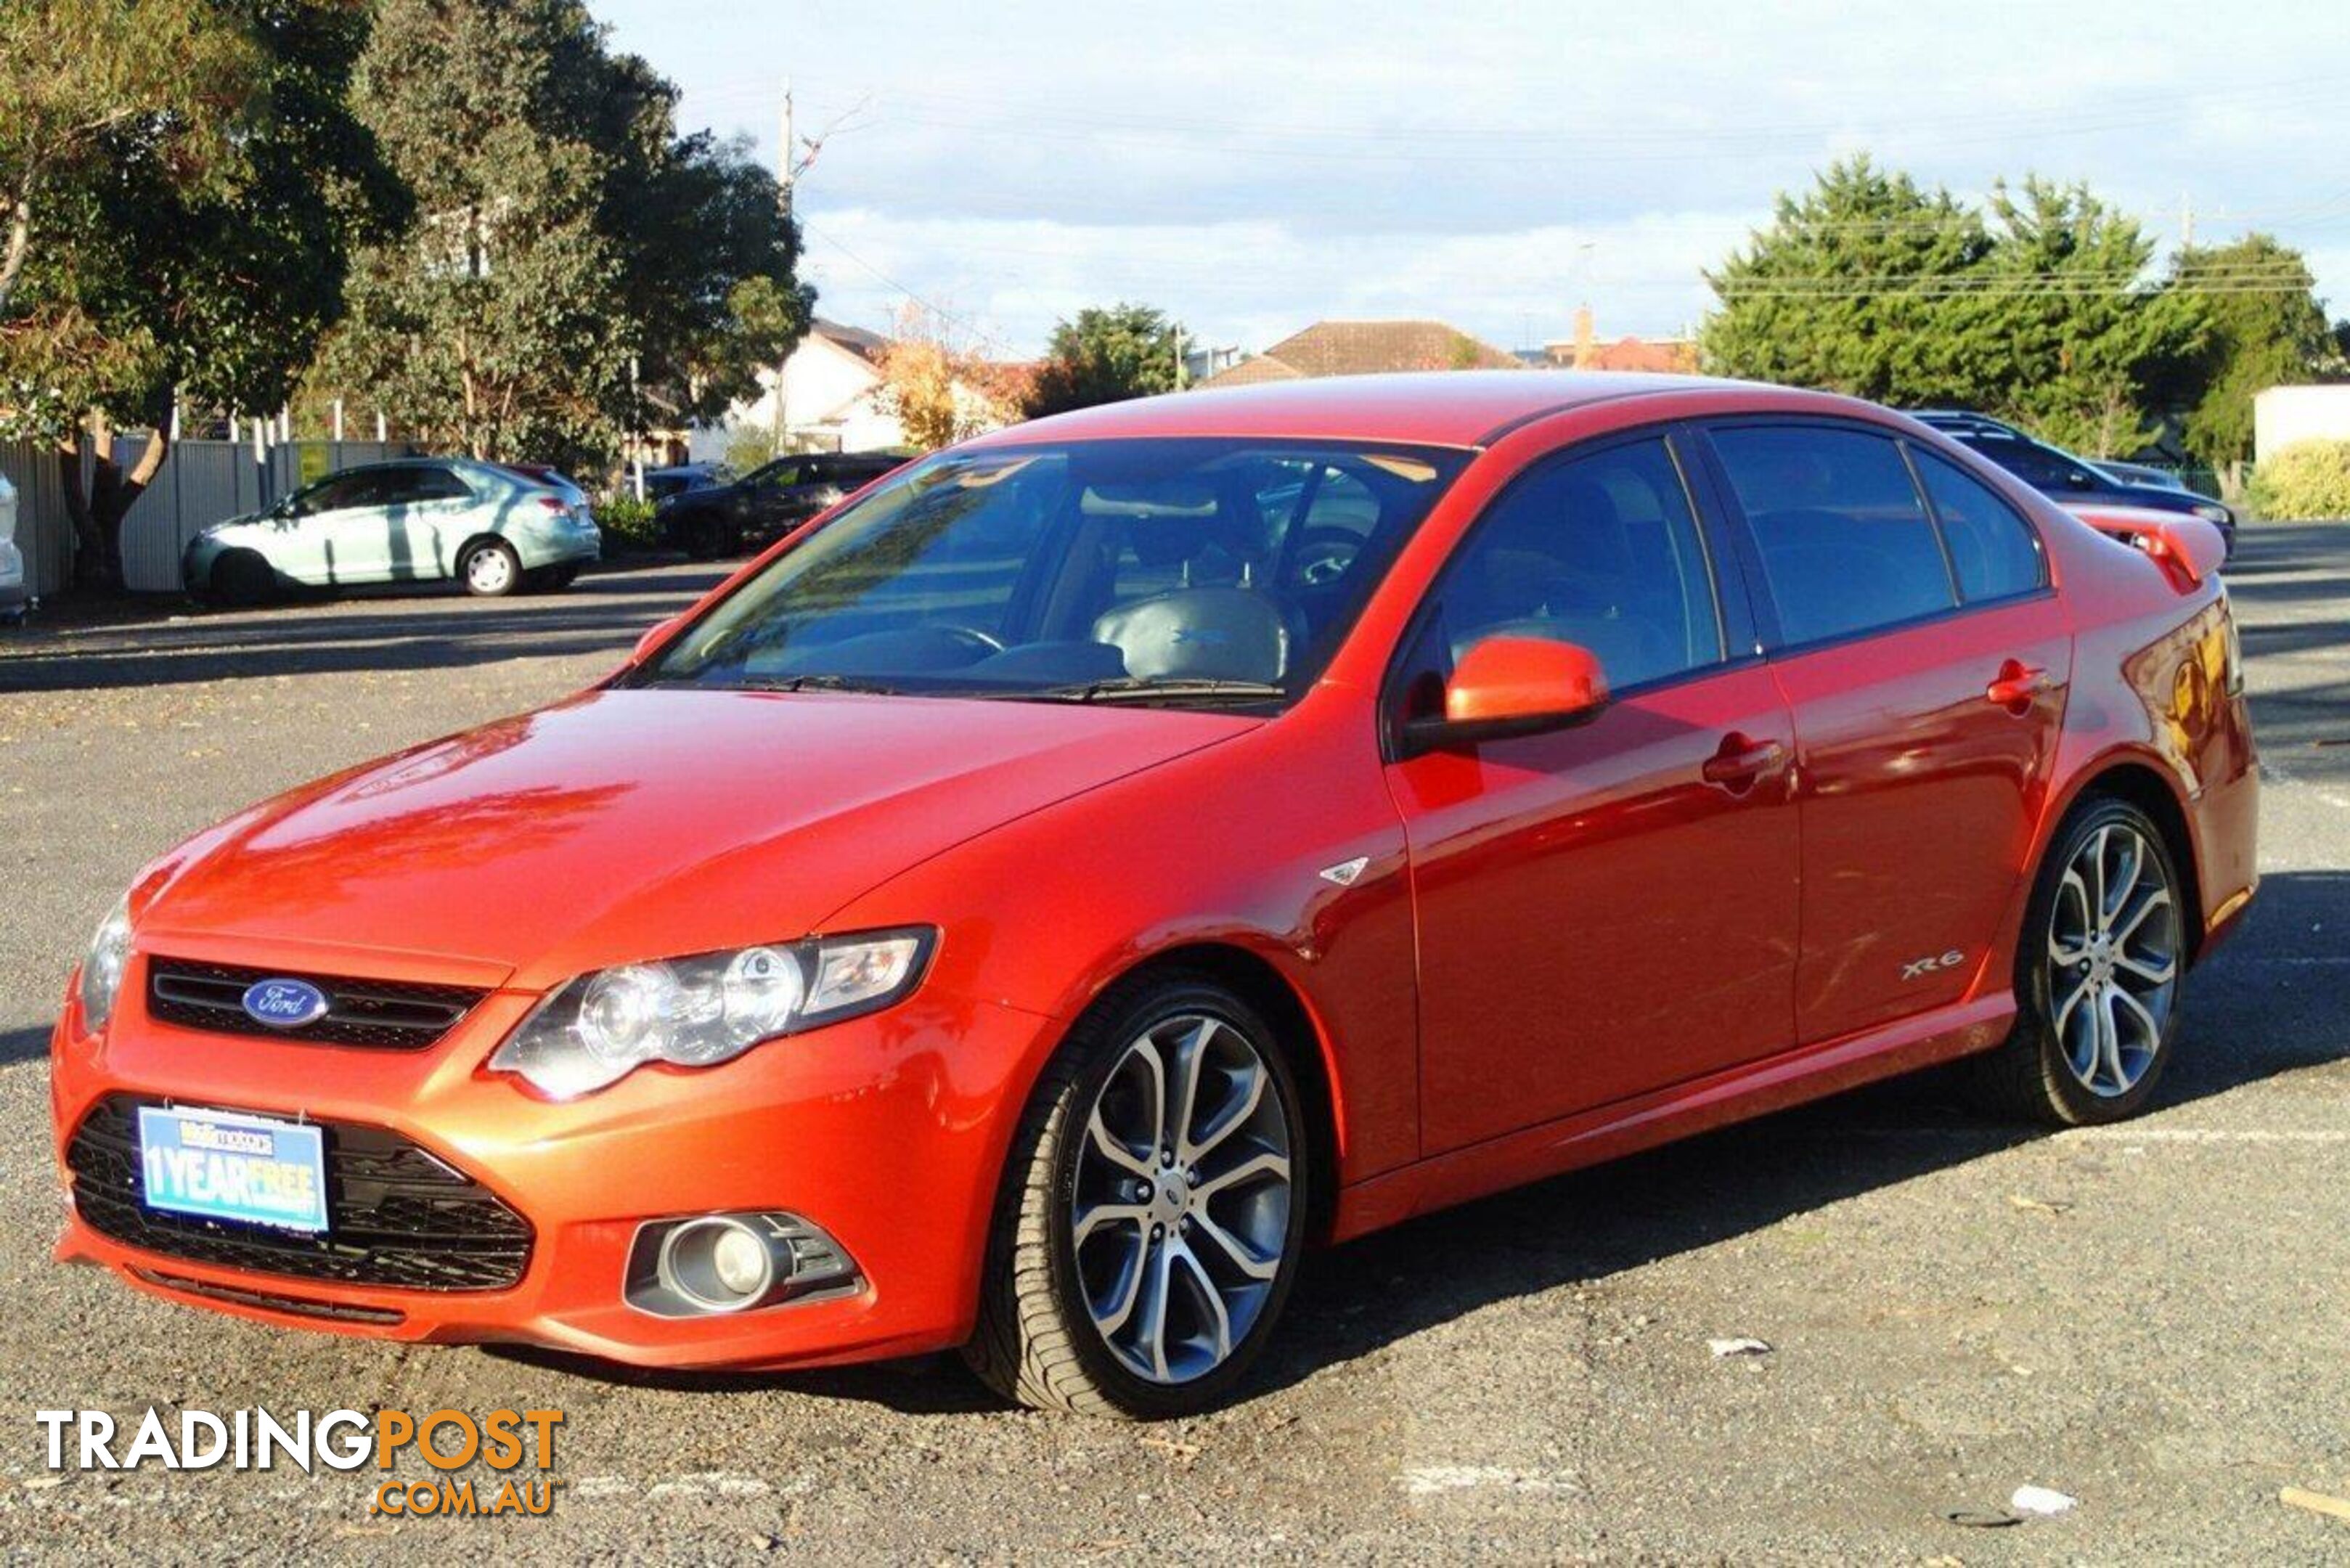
[
  {"x": 741, "y": 1263},
  {"x": 700, "y": 1264},
  {"x": 719, "y": 1264}
]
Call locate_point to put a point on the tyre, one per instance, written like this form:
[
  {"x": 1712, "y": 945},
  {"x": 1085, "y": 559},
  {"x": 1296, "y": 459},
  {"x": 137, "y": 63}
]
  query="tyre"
[
  {"x": 490, "y": 569},
  {"x": 2100, "y": 969},
  {"x": 242, "y": 577},
  {"x": 1153, "y": 1209}
]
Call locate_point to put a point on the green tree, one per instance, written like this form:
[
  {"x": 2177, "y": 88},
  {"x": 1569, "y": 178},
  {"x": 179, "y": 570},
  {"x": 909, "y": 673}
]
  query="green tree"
[
  {"x": 1107, "y": 355},
  {"x": 1856, "y": 287},
  {"x": 2266, "y": 327},
  {"x": 574, "y": 264},
  {"x": 183, "y": 183},
  {"x": 2084, "y": 332},
  {"x": 2043, "y": 315}
]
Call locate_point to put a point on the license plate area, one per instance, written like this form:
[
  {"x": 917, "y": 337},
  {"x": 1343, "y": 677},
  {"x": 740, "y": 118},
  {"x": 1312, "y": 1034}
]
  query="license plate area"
[{"x": 228, "y": 1165}]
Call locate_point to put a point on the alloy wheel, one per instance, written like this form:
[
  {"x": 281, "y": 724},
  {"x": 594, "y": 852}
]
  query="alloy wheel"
[
  {"x": 2113, "y": 960},
  {"x": 1180, "y": 1213}
]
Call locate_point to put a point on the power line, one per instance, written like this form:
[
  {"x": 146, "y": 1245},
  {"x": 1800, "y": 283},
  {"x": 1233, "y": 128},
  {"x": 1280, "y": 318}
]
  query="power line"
[
  {"x": 944, "y": 314},
  {"x": 2268, "y": 93}
]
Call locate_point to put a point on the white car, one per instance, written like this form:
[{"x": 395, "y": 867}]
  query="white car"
[
  {"x": 12, "y": 559},
  {"x": 411, "y": 521}
]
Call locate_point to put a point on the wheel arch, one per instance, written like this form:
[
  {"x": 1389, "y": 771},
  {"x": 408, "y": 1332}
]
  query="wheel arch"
[
  {"x": 2144, "y": 787},
  {"x": 2138, "y": 780},
  {"x": 475, "y": 541},
  {"x": 1260, "y": 983}
]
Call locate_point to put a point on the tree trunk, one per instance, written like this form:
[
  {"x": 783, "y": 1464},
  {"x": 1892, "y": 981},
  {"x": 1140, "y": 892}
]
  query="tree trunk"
[
  {"x": 90, "y": 544},
  {"x": 11, "y": 252},
  {"x": 97, "y": 513}
]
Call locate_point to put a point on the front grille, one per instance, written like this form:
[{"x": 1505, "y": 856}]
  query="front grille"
[
  {"x": 385, "y": 1015},
  {"x": 397, "y": 1214}
]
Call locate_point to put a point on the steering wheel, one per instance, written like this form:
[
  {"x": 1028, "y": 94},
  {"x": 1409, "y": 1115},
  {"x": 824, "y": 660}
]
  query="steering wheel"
[
  {"x": 971, "y": 636},
  {"x": 1323, "y": 553}
]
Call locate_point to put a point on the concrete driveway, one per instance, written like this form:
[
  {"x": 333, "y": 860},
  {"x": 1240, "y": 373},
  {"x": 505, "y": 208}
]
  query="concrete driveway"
[{"x": 2153, "y": 1319}]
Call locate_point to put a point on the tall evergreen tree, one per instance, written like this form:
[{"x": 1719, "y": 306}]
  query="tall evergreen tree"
[
  {"x": 1871, "y": 286},
  {"x": 2085, "y": 330},
  {"x": 1855, "y": 287}
]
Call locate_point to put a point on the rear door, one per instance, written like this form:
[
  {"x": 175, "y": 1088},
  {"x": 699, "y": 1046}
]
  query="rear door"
[
  {"x": 429, "y": 515},
  {"x": 1926, "y": 662},
  {"x": 1607, "y": 909}
]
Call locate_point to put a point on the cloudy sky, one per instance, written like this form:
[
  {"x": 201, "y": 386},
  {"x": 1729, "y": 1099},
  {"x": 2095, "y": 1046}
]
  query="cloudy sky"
[{"x": 1254, "y": 166}]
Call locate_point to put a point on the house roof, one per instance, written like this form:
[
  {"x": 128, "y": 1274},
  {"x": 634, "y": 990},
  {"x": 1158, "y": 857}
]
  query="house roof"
[
  {"x": 1662, "y": 355},
  {"x": 857, "y": 340},
  {"x": 1253, "y": 371},
  {"x": 1366, "y": 348}
]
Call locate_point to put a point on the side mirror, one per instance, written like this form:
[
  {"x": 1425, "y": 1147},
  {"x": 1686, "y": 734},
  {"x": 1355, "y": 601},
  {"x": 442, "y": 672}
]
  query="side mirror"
[
  {"x": 654, "y": 637},
  {"x": 1506, "y": 686}
]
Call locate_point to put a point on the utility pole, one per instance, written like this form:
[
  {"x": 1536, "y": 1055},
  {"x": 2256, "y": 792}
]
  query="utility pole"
[
  {"x": 2186, "y": 222},
  {"x": 636, "y": 433},
  {"x": 785, "y": 156},
  {"x": 786, "y": 160}
]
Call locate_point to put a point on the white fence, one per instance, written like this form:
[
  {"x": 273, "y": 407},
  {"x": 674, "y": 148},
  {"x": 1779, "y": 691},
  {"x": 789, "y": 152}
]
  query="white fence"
[{"x": 201, "y": 483}]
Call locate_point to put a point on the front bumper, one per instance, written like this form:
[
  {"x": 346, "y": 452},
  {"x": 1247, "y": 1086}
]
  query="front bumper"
[{"x": 888, "y": 1131}]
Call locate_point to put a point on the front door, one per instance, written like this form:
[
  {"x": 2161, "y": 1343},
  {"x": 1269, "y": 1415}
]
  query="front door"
[
  {"x": 343, "y": 531},
  {"x": 1607, "y": 909}
]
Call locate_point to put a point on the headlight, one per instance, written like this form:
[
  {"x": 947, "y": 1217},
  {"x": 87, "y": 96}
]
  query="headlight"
[
  {"x": 709, "y": 1008},
  {"x": 2211, "y": 512},
  {"x": 102, "y": 966}
]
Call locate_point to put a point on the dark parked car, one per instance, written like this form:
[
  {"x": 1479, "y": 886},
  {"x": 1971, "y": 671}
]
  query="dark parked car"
[
  {"x": 661, "y": 483},
  {"x": 764, "y": 503},
  {"x": 2062, "y": 476}
]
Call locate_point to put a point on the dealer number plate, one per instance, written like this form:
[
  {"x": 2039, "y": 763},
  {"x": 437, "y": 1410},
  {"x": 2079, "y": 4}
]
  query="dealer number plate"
[{"x": 225, "y": 1166}]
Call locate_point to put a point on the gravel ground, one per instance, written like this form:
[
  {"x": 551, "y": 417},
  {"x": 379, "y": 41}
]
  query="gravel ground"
[{"x": 2152, "y": 1319}]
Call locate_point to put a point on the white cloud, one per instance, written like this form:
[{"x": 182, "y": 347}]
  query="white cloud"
[{"x": 1254, "y": 164}]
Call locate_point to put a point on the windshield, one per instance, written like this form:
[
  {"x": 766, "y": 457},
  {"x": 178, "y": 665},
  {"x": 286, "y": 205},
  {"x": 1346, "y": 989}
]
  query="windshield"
[{"x": 1192, "y": 572}]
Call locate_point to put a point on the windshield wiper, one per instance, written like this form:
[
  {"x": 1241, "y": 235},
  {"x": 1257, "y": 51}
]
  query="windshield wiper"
[
  {"x": 1141, "y": 688},
  {"x": 819, "y": 683}
]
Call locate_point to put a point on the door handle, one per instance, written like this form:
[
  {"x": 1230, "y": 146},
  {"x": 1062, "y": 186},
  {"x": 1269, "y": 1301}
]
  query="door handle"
[
  {"x": 1740, "y": 762},
  {"x": 2016, "y": 685}
]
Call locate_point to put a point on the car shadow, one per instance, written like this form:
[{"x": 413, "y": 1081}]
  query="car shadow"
[
  {"x": 25, "y": 1045},
  {"x": 363, "y": 631},
  {"x": 2259, "y": 1008}
]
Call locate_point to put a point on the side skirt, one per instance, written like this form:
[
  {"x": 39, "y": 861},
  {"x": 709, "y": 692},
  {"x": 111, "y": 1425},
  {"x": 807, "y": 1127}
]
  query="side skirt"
[{"x": 1587, "y": 1137}]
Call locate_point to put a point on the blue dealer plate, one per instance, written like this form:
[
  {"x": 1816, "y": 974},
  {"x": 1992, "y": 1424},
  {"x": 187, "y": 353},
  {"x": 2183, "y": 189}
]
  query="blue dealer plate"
[{"x": 224, "y": 1166}]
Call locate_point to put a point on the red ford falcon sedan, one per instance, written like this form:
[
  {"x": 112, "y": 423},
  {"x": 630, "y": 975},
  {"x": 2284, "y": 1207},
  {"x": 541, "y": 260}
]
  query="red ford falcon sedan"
[{"x": 1034, "y": 903}]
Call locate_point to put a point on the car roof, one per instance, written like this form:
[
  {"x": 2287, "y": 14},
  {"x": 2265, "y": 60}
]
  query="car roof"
[{"x": 1440, "y": 408}]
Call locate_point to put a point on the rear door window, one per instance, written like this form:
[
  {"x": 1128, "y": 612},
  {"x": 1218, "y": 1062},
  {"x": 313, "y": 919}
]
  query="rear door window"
[
  {"x": 1994, "y": 552},
  {"x": 403, "y": 485},
  {"x": 1846, "y": 543}
]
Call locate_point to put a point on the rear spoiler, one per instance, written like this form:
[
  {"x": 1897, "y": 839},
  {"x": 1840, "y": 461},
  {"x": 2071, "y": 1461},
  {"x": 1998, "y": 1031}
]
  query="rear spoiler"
[{"x": 2187, "y": 549}]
